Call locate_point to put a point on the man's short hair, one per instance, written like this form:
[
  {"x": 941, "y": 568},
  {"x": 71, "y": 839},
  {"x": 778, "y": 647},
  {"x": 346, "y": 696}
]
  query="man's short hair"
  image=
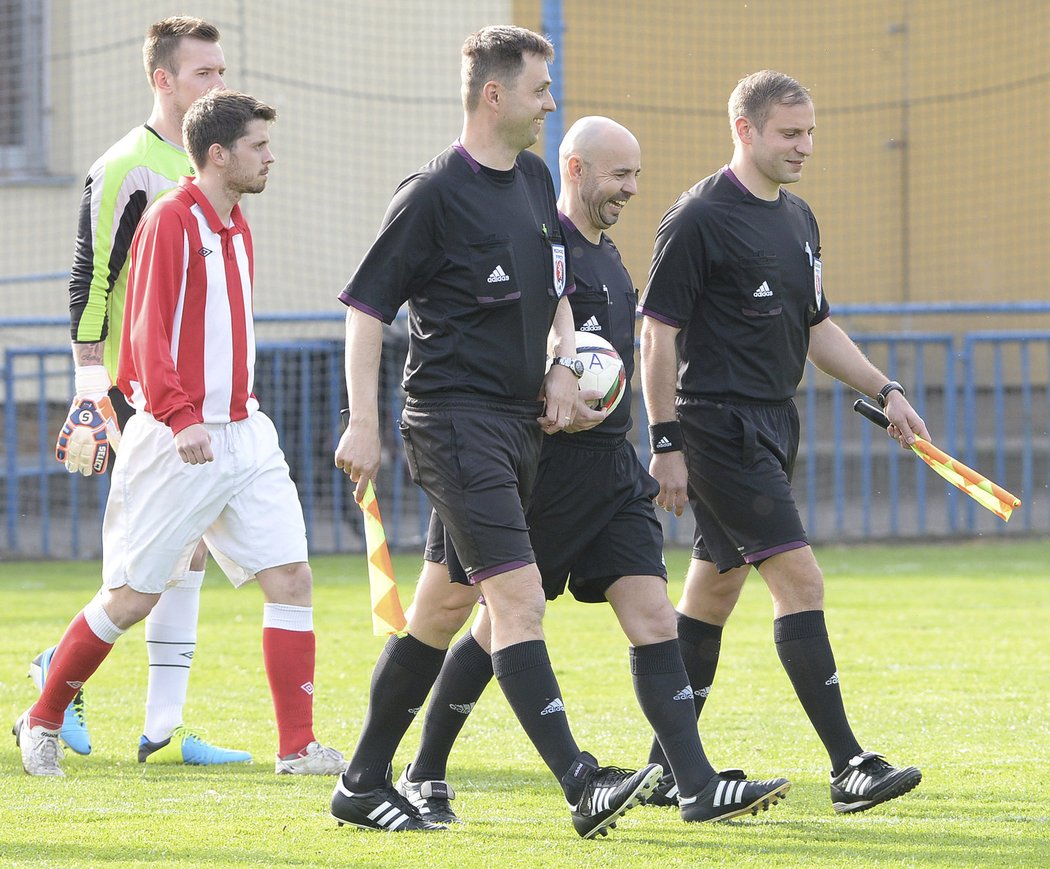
[
  {"x": 163, "y": 38},
  {"x": 498, "y": 54},
  {"x": 755, "y": 96},
  {"x": 220, "y": 117}
]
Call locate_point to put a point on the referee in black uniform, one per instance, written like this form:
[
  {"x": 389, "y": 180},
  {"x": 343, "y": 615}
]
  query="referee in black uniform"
[
  {"x": 735, "y": 304},
  {"x": 472, "y": 242},
  {"x": 591, "y": 519}
]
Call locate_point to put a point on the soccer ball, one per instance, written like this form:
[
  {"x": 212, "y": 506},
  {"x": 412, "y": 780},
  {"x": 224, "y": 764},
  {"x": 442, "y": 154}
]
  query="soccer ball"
[{"x": 602, "y": 370}]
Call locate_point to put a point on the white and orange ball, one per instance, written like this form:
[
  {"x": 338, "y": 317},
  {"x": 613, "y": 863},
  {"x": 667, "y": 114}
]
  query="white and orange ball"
[{"x": 602, "y": 370}]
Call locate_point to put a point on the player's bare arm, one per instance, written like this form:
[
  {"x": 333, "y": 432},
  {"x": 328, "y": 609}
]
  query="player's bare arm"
[
  {"x": 359, "y": 452},
  {"x": 194, "y": 445},
  {"x": 659, "y": 367},
  {"x": 565, "y": 407},
  {"x": 835, "y": 353}
]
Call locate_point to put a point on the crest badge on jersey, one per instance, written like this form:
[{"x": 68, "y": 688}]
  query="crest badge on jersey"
[
  {"x": 818, "y": 288},
  {"x": 558, "y": 257}
]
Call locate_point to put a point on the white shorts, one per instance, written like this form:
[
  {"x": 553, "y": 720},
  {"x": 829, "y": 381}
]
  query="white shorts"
[{"x": 243, "y": 503}]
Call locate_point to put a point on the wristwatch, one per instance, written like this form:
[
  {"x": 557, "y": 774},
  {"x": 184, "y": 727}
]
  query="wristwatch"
[
  {"x": 884, "y": 393},
  {"x": 574, "y": 365}
]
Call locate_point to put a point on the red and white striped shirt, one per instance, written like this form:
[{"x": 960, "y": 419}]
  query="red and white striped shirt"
[{"x": 187, "y": 353}]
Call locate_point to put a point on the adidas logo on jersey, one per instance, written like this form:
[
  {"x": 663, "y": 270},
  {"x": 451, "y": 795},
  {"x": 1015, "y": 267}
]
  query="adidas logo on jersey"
[
  {"x": 461, "y": 708},
  {"x": 763, "y": 291},
  {"x": 554, "y": 706},
  {"x": 498, "y": 276},
  {"x": 834, "y": 680},
  {"x": 663, "y": 444},
  {"x": 592, "y": 325},
  {"x": 685, "y": 694}
]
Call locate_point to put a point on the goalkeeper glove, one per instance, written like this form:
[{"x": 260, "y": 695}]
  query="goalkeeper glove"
[{"x": 91, "y": 431}]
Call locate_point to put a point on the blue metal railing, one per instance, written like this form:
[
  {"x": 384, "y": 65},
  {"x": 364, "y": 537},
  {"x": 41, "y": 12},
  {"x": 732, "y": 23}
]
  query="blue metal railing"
[{"x": 984, "y": 396}]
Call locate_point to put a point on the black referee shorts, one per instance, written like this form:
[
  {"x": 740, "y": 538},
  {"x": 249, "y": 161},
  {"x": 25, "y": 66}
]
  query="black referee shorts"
[
  {"x": 476, "y": 460},
  {"x": 740, "y": 459},
  {"x": 591, "y": 518}
]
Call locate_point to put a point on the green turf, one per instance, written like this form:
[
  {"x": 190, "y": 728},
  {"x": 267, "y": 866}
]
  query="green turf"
[{"x": 943, "y": 653}]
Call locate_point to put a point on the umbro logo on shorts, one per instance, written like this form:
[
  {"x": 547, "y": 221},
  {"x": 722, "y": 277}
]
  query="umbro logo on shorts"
[
  {"x": 461, "y": 708},
  {"x": 834, "y": 680},
  {"x": 763, "y": 291},
  {"x": 498, "y": 276},
  {"x": 75, "y": 684},
  {"x": 308, "y": 687},
  {"x": 592, "y": 325},
  {"x": 554, "y": 706},
  {"x": 685, "y": 694},
  {"x": 187, "y": 655}
]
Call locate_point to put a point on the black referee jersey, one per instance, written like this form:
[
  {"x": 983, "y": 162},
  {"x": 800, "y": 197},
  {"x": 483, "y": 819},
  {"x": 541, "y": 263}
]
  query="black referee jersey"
[
  {"x": 604, "y": 304},
  {"x": 741, "y": 277},
  {"x": 478, "y": 255}
]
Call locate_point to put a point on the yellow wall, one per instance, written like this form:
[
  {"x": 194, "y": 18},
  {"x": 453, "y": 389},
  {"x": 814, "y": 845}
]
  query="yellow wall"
[{"x": 958, "y": 212}]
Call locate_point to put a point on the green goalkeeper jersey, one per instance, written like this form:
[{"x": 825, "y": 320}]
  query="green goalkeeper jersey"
[{"x": 119, "y": 188}]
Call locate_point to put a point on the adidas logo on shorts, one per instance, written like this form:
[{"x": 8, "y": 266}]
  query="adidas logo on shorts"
[
  {"x": 703, "y": 692},
  {"x": 554, "y": 706},
  {"x": 592, "y": 325},
  {"x": 763, "y": 291},
  {"x": 834, "y": 680},
  {"x": 685, "y": 694},
  {"x": 498, "y": 276}
]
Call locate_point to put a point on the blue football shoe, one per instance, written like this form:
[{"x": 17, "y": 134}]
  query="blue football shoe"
[
  {"x": 188, "y": 747},
  {"x": 74, "y": 732}
]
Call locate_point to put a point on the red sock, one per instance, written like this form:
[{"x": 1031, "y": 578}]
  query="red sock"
[
  {"x": 289, "y": 657},
  {"x": 78, "y": 655}
]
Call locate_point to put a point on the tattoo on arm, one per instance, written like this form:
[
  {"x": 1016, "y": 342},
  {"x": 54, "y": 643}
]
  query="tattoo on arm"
[{"x": 89, "y": 354}]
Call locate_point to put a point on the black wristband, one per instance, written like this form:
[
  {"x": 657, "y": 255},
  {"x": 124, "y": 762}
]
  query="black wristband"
[
  {"x": 665, "y": 437},
  {"x": 884, "y": 393}
]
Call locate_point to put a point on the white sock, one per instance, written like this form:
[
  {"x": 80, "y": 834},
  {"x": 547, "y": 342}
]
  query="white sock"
[
  {"x": 288, "y": 617},
  {"x": 100, "y": 623},
  {"x": 171, "y": 638}
]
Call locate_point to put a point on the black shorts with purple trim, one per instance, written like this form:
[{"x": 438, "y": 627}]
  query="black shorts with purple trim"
[
  {"x": 740, "y": 458},
  {"x": 476, "y": 460},
  {"x": 591, "y": 518}
]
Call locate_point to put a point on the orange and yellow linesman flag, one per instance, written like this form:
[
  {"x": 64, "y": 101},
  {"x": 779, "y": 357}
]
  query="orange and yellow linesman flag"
[
  {"x": 986, "y": 493},
  {"x": 981, "y": 489},
  {"x": 387, "y": 615}
]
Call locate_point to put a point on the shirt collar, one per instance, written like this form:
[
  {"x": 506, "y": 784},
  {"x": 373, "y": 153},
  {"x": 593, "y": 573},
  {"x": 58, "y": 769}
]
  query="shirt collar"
[{"x": 214, "y": 224}]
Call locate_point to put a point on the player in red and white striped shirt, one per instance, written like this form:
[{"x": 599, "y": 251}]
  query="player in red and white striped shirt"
[{"x": 198, "y": 458}]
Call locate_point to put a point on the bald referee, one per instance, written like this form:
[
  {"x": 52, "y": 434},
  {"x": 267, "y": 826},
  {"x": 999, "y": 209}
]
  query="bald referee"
[{"x": 473, "y": 243}]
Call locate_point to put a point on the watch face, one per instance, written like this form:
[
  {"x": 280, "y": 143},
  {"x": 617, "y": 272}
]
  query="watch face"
[{"x": 577, "y": 367}]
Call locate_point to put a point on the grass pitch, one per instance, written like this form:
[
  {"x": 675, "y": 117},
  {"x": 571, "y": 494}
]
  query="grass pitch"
[{"x": 943, "y": 653}]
